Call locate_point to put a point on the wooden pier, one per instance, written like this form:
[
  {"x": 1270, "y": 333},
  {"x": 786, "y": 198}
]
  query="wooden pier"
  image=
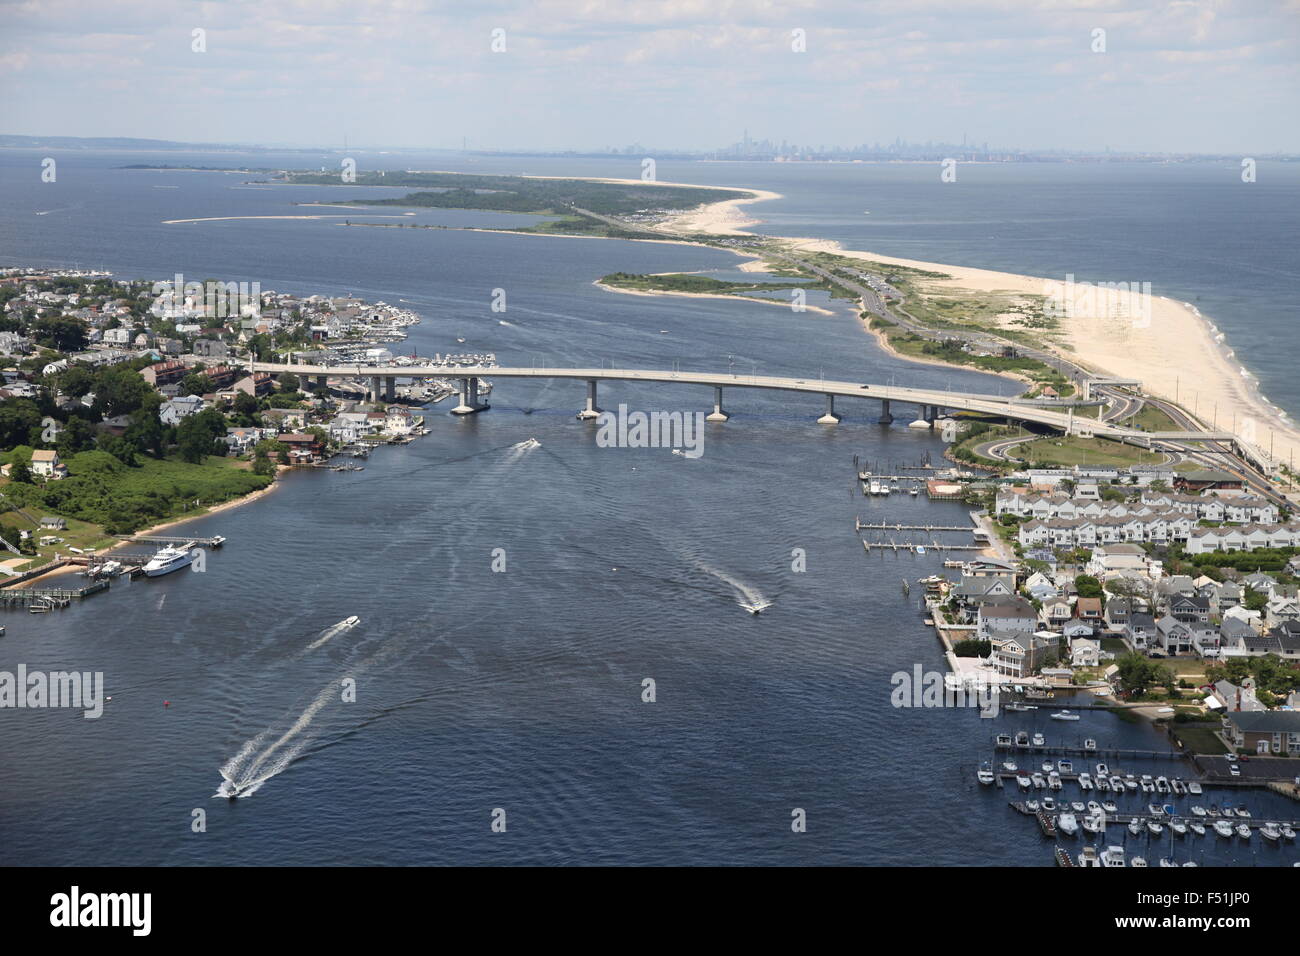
[
  {"x": 24, "y": 597},
  {"x": 1125, "y": 818},
  {"x": 892, "y": 545},
  {"x": 1082, "y": 752},
  {"x": 214, "y": 542},
  {"x": 884, "y": 526}
]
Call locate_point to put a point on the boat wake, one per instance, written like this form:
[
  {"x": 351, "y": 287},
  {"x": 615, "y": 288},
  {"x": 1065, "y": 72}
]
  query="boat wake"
[
  {"x": 271, "y": 751},
  {"x": 333, "y": 630},
  {"x": 747, "y": 596}
]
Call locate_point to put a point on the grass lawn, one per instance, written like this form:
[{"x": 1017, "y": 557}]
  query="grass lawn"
[
  {"x": 1152, "y": 419},
  {"x": 1199, "y": 738},
  {"x": 1076, "y": 450}
]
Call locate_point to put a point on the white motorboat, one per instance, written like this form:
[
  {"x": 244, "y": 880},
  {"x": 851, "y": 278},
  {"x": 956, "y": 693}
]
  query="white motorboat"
[
  {"x": 1065, "y": 766},
  {"x": 1154, "y": 810},
  {"x": 1287, "y": 832},
  {"x": 1067, "y": 823},
  {"x": 1085, "y": 781},
  {"x": 1022, "y": 738},
  {"x": 1049, "y": 803},
  {"x": 1178, "y": 826},
  {"x": 1198, "y": 811},
  {"x": 1114, "y": 856},
  {"x": 167, "y": 560},
  {"x": 1155, "y": 827},
  {"x": 1271, "y": 831},
  {"x": 1223, "y": 828},
  {"x": 1039, "y": 780},
  {"x": 1110, "y": 806},
  {"x": 1009, "y": 766},
  {"x": 1103, "y": 770},
  {"x": 1047, "y": 766},
  {"x": 985, "y": 775},
  {"x": 1039, "y": 740},
  {"x": 1094, "y": 807},
  {"x": 1167, "y": 861},
  {"x": 1243, "y": 831},
  {"x": 1138, "y": 861},
  {"x": 1077, "y": 806},
  {"x": 1102, "y": 783},
  {"x": 1118, "y": 785},
  {"x": 1130, "y": 781},
  {"x": 1242, "y": 811},
  {"x": 1162, "y": 784},
  {"x": 1178, "y": 786},
  {"x": 351, "y": 621},
  {"x": 1135, "y": 826},
  {"x": 1064, "y": 715},
  {"x": 1090, "y": 744},
  {"x": 1094, "y": 823},
  {"x": 1054, "y": 780},
  {"x": 1194, "y": 786},
  {"x": 1197, "y": 827},
  {"x": 1147, "y": 784},
  {"x": 1004, "y": 740},
  {"x": 1024, "y": 781},
  {"x": 1089, "y": 857}
]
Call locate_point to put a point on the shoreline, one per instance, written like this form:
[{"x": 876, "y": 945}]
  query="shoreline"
[
  {"x": 1179, "y": 355},
  {"x": 709, "y": 295}
]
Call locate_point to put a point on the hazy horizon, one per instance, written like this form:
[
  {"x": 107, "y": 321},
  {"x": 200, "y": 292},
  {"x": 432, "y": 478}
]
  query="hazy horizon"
[{"x": 1182, "y": 77}]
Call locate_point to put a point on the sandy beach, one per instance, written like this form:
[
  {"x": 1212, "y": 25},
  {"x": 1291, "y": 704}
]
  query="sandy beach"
[
  {"x": 711, "y": 295},
  {"x": 1172, "y": 349}
]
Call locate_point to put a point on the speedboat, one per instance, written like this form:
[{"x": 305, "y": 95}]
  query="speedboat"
[
  {"x": 1103, "y": 770},
  {"x": 1094, "y": 807},
  {"x": 1089, "y": 857},
  {"x": 1049, "y": 803},
  {"x": 1067, "y": 823},
  {"x": 1223, "y": 828},
  {"x": 228, "y": 789},
  {"x": 1287, "y": 832},
  {"x": 167, "y": 560},
  {"x": 1022, "y": 738},
  {"x": 985, "y": 774},
  {"x": 1162, "y": 785},
  {"x": 1047, "y": 766},
  {"x": 1228, "y": 811},
  {"x": 1085, "y": 781},
  {"x": 1118, "y": 785},
  {"x": 1243, "y": 831},
  {"x": 1077, "y": 806},
  {"x": 1243, "y": 811},
  {"x": 352, "y": 621},
  {"x": 1167, "y": 861},
  {"x": 1090, "y": 744},
  {"x": 1039, "y": 780},
  {"x": 1154, "y": 810},
  {"x": 1213, "y": 811},
  {"x": 1194, "y": 786},
  {"x": 1103, "y": 783},
  {"x": 1178, "y": 786},
  {"x": 1135, "y": 826},
  {"x": 1156, "y": 827},
  {"x": 1031, "y": 806},
  {"x": 1191, "y": 863},
  {"x": 1094, "y": 823},
  {"x": 1148, "y": 785},
  {"x": 1024, "y": 781},
  {"x": 1139, "y": 861},
  {"x": 1003, "y": 740},
  {"x": 1197, "y": 827},
  {"x": 1064, "y": 715},
  {"x": 1039, "y": 740},
  {"x": 1178, "y": 826},
  {"x": 1065, "y": 766},
  {"x": 1054, "y": 780},
  {"x": 1009, "y": 766},
  {"x": 1130, "y": 781},
  {"x": 1198, "y": 811},
  {"x": 1114, "y": 856},
  {"x": 1110, "y": 806},
  {"x": 1270, "y": 831}
]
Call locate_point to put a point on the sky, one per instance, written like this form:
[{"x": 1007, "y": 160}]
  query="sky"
[{"x": 1178, "y": 76}]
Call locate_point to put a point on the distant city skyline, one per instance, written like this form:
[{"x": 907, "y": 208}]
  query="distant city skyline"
[{"x": 1183, "y": 77}]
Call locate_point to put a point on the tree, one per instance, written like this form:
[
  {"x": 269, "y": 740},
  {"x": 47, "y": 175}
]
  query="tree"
[
  {"x": 196, "y": 384},
  {"x": 1087, "y": 586},
  {"x": 196, "y": 436},
  {"x": 1255, "y": 600},
  {"x": 1139, "y": 673},
  {"x": 288, "y": 382},
  {"x": 146, "y": 433},
  {"x": 77, "y": 435},
  {"x": 262, "y": 464},
  {"x": 120, "y": 391},
  {"x": 20, "y": 472},
  {"x": 121, "y": 449},
  {"x": 75, "y": 381}
]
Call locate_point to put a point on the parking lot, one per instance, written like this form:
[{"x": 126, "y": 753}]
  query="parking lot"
[{"x": 1253, "y": 768}]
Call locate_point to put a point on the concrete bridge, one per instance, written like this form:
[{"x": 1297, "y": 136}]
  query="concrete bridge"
[{"x": 930, "y": 403}]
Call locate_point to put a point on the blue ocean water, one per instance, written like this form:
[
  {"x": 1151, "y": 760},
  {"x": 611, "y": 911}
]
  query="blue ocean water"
[{"x": 522, "y": 690}]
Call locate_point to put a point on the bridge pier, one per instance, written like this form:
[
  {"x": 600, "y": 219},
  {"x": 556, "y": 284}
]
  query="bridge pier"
[
  {"x": 390, "y": 388},
  {"x": 928, "y": 414},
  {"x": 592, "y": 410},
  {"x": 718, "y": 415},
  {"x": 469, "y": 403},
  {"x": 830, "y": 418},
  {"x": 886, "y": 417},
  {"x": 321, "y": 382},
  {"x": 372, "y": 390}
]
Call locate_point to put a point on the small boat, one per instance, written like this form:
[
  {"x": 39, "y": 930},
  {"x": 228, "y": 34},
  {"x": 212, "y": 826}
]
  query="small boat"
[
  {"x": 1114, "y": 856},
  {"x": 1197, "y": 827},
  {"x": 1191, "y": 863},
  {"x": 1065, "y": 766},
  {"x": 1009, "y": 766},
  {"x": 1064, "y": 715},
  {"x": 1003, "y": 740},
  {"x": 1194, "y": 786},
  {"x": 1067, "y": 823},
  {"x": 920, "y": 549},
  {"x": 1040, "y": 782},
  {"x": 1162, "y": 785},
  {"x": 1178, "y": 786},
  {"x": 1213, "y": 811},
  {"x": 1085, "y": 781},
  {"x": 1062, "y": 857},
  {"x": 985, "y": 774},
  {"x": 1054, "y": 780},
  {"x": 1110, "y": 806},
  {"x": 1135, "y": 826},
  {"x": 1169, "y": 809},
  {"x": 351, "y": 621},
  {"x": 1049, "y": 803},
  {"x": 1077, "y": 806},
  {"x": 1089, "y": 857},
  {"x": 1154, "y": 810},
  {"x": 1243, "y": 812},
  {"x": 1102, "y": 783},
  {"x": 1156, "y": 827},
  {"x": 1271, "y": 831},
  {"x": 1178, "y": 826},
  {"x": 1148, "y": 785},
  {"x": 1094, "y": 807},
  {"x": 1039, "y": 740},
  {"x": 1287, "y": 832},
  {"x": 1198, "y": 811},
  {"x": 1090, "y": 744},
  {"x": 1017, "y": 706},
  {"x": 1228, "y": 811},
  {"x": 1223, "y": 828},
  {"x": 1167, "y": 861},
  {"x": 1103, "y": 770},
  {"x": 1047, "y": 766},
  {"x": 1022, "y": 738},
  {"x": 1031, "y": 806},
  {"x": 1024, "y": 781},
  {"x": 1139, "y": 861},
  {"x": 1118, "y": 785},
  {"x": 1243, "y": 831},
  {"x": 1094, "y": 824}
]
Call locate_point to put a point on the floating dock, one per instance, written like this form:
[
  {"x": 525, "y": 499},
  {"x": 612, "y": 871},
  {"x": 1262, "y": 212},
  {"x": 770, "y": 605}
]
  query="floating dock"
[
  {"x": 213, "y": 542},
  {"x": 60, "y": 597}
]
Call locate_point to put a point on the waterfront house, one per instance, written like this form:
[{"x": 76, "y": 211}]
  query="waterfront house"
[
  {"x": 1263, "y": 731},
  {"x": 1021, "y": 653},
  {"x": 1173, "y": 637},
  {"x": 46, "y": 464},
  {"x": 1085, "y": 652},
  {"x": 1140, "y": 631},
  {"x": 1012, "y": 615},
  {"x": 1233, "y": 698}
]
